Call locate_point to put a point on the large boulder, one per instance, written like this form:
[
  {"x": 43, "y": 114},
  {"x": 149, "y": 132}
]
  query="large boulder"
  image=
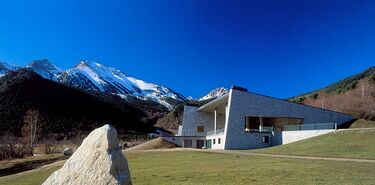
[{"x": 98, "y": 160}]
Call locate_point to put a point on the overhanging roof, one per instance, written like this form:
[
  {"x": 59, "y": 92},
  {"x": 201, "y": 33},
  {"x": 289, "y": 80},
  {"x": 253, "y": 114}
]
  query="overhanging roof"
[{"x": 215, "y": 104}]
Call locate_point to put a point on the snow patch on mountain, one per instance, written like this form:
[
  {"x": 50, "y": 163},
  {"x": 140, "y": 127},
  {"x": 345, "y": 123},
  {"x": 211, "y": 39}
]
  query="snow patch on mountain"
[
  {"x": 215, "y": 93},
  {"x": 5, "y": 67}
]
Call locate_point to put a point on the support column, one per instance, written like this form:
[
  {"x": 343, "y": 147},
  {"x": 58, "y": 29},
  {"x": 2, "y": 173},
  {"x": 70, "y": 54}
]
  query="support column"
[
  {"x": 260, "y": 123},
  {"x": 215, "y": 120}
]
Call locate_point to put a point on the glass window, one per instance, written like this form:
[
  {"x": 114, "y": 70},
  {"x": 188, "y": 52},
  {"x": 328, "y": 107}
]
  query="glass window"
[{"x": 200, "y": 128}]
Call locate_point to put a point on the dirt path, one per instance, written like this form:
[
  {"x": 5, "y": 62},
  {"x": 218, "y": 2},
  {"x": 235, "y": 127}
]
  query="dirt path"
[
  {"x": 236, "y": 152},
  {"x": 58, "y": 163}
]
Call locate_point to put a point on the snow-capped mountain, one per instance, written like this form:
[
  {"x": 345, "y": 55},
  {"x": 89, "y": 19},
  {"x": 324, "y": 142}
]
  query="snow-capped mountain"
[
  {"x": 95, "y": 76},
  {"x": 92, "y": 76},
  {"x": 215, "y": 93},
  {"x": 45, "y": 69},
  {"x": 5, "y": 67}
]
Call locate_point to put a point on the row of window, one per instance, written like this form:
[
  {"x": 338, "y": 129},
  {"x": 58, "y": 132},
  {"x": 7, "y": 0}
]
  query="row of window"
[{"x": 218, "y": 141}]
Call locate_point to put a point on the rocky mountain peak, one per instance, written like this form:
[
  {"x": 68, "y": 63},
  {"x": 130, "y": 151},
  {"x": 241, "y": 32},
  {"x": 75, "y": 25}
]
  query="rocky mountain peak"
[{"x": 215, "y": 93}]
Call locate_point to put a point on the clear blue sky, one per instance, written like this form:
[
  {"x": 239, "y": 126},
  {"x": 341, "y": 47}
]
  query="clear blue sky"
[{"x": 277, "y": 48}]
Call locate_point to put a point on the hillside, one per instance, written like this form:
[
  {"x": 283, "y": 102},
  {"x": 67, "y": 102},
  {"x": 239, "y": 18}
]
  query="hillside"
[
  {"x": 345, "y": 143},
  {"x": 64, "y": 109},
  {"x": 354, "y": 95}
]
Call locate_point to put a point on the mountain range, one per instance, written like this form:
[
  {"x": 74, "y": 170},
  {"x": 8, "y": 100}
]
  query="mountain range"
[{"x": 92, "y": 76}]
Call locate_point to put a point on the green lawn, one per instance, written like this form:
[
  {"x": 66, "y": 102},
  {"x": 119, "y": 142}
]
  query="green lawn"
[
  {"x": 187, "y": 168},
  {"x": 33, "y": 178},
  {"x": 346, "y": 144}
]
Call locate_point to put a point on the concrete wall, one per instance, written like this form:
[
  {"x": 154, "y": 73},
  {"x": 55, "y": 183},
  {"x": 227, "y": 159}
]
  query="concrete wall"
[
  {"x": 243, "y": 104},
  {"x": 192, "y": 119},
  {"x": 293, "y": 136},
  {"x": 217, "y": 145}
]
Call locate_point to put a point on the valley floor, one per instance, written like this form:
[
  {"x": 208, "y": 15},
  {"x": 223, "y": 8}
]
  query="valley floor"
[{"x": 187, "y": 167}]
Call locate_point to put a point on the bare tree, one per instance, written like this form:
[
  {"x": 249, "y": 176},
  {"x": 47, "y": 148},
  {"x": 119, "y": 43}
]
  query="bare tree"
[{"x": 31, "y": 128}]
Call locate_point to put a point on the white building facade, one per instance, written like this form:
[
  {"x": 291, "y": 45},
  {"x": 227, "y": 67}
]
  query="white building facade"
[{"x": 244, "y": 120}]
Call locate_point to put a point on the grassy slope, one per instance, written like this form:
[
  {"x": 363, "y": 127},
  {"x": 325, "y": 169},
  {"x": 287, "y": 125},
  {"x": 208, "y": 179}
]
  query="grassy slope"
[
  {"x": 361, "y": 123},
  {"x": 349, "y": 144},
  {"x": 187, "y": 168},
  {"x": 157, "y": 143}
]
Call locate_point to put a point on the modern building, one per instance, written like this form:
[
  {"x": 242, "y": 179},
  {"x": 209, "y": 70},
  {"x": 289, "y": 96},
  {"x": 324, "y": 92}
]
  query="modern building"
[{"x": 245, "y": 120}]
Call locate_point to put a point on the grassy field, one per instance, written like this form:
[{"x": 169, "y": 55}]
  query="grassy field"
[
  {"x": 345, "y": 144},
  {"x": 187, "y": 168},
  {"x": 361, "y": 123},
  {"x": 36, "y": 177}
]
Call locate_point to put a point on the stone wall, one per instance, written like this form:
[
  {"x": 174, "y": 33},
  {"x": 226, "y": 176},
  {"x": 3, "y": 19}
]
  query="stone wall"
[{"x": 293, "y": 136}]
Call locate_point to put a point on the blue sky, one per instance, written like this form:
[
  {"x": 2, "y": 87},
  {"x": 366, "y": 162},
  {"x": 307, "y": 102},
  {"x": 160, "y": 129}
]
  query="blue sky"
[{"x": 277, "y": 48}]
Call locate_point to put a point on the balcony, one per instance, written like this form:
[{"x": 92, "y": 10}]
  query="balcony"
[
  {"x": 217, "y": 132},
  {"x": 261, "y": 129}
]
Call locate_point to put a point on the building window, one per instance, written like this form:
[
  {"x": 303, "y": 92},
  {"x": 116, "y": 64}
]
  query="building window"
[
  {"x": 252, "y": 124},
  {"x": 266, "y": 139},
  {"x": 200, "y": 128},
  {"x": 213, "y": 141},
  {"x": 218, "y": 140}
]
